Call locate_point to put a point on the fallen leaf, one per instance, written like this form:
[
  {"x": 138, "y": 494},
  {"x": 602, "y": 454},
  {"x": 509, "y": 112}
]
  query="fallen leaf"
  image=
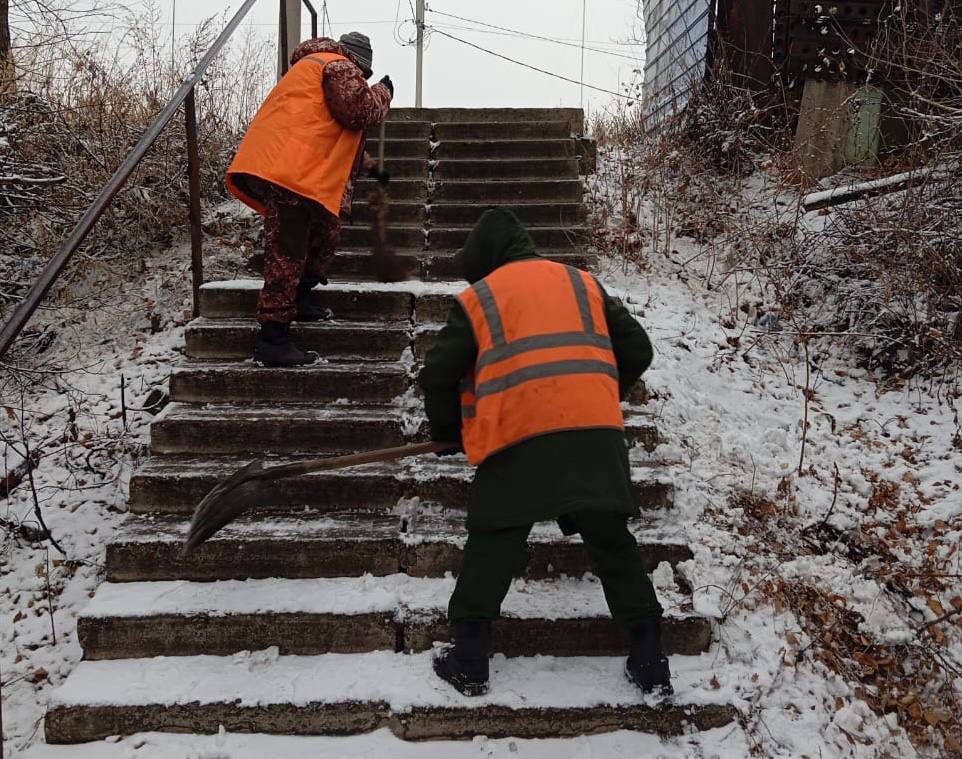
[{"x": 714, "y": 682}]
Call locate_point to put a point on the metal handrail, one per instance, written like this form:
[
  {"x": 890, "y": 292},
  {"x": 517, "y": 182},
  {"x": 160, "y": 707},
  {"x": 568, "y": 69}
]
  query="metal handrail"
[{"x": 183, "y": 97}]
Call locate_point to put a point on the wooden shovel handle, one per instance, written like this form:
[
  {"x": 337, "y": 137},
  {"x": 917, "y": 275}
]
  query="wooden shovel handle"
[{"x": 354, "y": 459}]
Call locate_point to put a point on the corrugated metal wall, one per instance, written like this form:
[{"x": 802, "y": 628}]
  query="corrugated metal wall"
[{"x": 677, "y": 39}]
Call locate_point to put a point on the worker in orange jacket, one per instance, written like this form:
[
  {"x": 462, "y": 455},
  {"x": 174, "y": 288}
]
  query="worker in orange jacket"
[
  {"x": 528, "y": 374},
  {"x": 297, "y": 165}
]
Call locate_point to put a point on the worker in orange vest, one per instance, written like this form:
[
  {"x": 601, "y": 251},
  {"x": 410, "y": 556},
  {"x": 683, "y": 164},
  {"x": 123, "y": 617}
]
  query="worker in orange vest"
[
  {"x": 297, "y": 165},
  {"x": 528, "y": 374}
]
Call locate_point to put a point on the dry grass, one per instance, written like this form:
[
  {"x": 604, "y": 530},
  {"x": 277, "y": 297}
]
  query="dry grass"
[{"x": 80, "y": 106}]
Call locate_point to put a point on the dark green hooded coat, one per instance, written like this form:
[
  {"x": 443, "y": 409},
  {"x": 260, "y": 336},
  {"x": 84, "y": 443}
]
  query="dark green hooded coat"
[{"x": 546, "y": 477}]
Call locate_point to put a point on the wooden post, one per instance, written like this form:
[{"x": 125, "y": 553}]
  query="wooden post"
[{"x": 823, "y": 126}]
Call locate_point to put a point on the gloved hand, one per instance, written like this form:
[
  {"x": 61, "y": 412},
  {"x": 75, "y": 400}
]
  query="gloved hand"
[
  {"x": 386, "y": 81},
  {"x": 382, "y": 177}
]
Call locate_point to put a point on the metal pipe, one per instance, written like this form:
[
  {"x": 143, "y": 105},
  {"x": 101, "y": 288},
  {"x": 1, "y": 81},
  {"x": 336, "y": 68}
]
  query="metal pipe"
[
  {"x": 194, "y": 214},
  {"x": 310, "y": 9},
  {"x": 284, "y": 47},
  {"x": 68, "y": 247}
]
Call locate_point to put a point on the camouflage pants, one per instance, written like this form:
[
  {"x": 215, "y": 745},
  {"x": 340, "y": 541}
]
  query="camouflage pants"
[{"x": 300, "y": 239}]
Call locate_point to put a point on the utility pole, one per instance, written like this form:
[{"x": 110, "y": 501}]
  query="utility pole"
[
  {"x": 419, "y": 87},
  {"x": 584, "y": 21},
  {"x": 290, "y": 33}
]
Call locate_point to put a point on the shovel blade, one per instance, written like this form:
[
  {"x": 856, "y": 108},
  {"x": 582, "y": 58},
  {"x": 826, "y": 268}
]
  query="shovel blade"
[{"x": 222, "y": 505}]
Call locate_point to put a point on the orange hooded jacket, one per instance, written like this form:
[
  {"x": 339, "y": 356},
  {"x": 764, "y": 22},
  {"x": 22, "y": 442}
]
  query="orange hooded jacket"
[
  {"x": 295, "y": 142},
  {"x": 545, "y": 360}
]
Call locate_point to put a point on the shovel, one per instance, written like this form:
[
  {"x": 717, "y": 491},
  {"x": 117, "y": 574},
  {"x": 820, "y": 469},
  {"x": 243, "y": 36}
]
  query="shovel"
[
  {"x": 232, "y": 497},
  {"x": 388, "y": 267}
]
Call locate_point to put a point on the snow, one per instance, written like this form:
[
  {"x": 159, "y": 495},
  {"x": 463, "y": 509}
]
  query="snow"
[
  {"x": 732, "y": 421},
  {"x": 402, "y": 681},
  {"x": 725, "y": 743},
  {"x": 411, "y": 287},
  {"x": 399, "y": 595}
]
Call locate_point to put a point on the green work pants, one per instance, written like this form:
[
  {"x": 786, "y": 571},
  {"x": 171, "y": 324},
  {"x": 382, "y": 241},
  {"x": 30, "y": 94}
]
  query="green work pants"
[{"x": 493, "y": 557}]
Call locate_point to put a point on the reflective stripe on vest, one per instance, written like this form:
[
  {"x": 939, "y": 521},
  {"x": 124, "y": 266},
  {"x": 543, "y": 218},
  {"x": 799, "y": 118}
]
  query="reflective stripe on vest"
[
  {"x": 545, "y": 362},
  {"x": 295, "y": 142}
]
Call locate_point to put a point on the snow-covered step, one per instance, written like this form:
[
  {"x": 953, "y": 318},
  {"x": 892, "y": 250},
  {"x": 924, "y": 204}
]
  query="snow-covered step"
[
  {"x": 434, "y": 542},
  {"x": 320, "y": 429},
  {"x": 557, "y": 166},
  {"x": 340, "y": 341},
  {"x": 437, "y": 265},
  {"x": 542, "y": 214},
  {"x": 508, "y": 191},
  {"x": 415, "y": 238},
  {"x": 502, "y": 131},
  {"x": 566, "y": 617},
  {"x": 358, "y": 236},
  {"x": 345, "y": 301},
  {"x": 343, "y": 694},
  {"x": 559, "y": 147},
  {"x": 175, "y": 484},
  {"x": 245, "y": 382},
  {"x": 383, "y": 743},
  {"x": 559, "y": 238},
  {"x": 341, "y": 544}
]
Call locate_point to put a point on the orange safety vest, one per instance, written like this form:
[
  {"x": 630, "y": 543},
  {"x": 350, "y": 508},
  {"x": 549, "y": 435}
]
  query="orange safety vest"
[
  {"x": 545, "y": 362},
  {"x": 296, "y": 143}
]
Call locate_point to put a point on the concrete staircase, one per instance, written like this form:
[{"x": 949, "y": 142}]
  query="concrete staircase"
[{"x": 338, "y": 581}]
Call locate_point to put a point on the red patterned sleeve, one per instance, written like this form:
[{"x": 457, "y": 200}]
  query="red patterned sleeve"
[{"x": 355, "y": 105}]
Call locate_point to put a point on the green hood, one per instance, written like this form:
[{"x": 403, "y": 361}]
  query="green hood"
[{"x": 498, "y": 238}]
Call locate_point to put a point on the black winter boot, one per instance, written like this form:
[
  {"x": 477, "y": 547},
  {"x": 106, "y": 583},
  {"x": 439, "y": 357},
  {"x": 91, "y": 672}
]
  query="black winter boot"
[
  {"x": 647, "y": 665},
  {"x": 273, "y": 347},
  {"x": 306, "y": 310},
  {"x": 465, "y": 664}
]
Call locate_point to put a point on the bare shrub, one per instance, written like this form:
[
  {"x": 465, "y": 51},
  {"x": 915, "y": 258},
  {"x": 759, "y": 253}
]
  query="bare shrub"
[{"x": 79, "y": 107}]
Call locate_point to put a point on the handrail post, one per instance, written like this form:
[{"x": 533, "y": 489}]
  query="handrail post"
[
  {"x": 290, "y": 33},
  {"x": 194, "y": 214}
]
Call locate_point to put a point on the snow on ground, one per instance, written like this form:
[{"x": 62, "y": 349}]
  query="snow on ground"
[
  {"x": 71, "y": 413},
  {"x": 731, "y": 408},
  {"x": 726, "y": 744}
]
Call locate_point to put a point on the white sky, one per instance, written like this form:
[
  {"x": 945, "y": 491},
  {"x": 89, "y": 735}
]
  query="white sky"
[{"x": 456, "y": 75}]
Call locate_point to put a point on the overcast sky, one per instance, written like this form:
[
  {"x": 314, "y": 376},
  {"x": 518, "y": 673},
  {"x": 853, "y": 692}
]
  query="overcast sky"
[{"x": 457, "y": 75}]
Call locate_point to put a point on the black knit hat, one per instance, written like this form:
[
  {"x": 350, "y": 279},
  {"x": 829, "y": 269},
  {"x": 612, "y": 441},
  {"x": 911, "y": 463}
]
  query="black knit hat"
[{"x": 359, "y": 46}]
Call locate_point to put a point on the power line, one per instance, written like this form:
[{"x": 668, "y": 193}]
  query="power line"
[
  {"x": 519, "y": 33},
  {"x": 526, "y": 65},
  {"x": 522, "y": 35},
  {"x": 530, "y": 34}
]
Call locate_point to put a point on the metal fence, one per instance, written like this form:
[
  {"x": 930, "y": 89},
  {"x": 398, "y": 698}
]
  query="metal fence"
[{"x": 677, "y": 46}]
